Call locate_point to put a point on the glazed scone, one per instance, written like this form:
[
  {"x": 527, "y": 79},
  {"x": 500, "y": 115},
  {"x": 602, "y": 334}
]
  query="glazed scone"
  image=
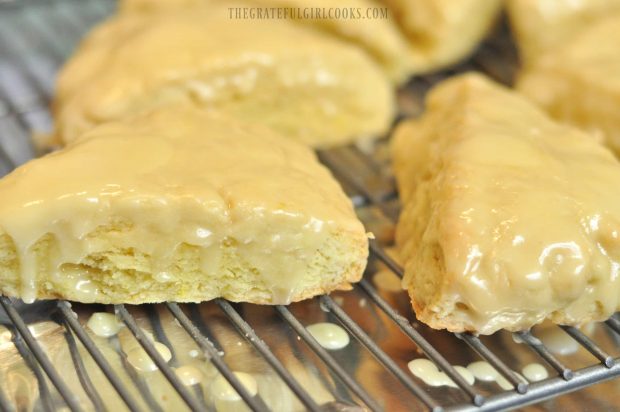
[
  {"x": 545, "y": 26},
  {"x": 377, "y": 35},
  {"x": 579, "y": 83},
  {"x": 177, "y": 205},
  {"x": 443, "y": 32},
  {"x": 303, "y": 83},
  {"x": 508, "y": 218}
]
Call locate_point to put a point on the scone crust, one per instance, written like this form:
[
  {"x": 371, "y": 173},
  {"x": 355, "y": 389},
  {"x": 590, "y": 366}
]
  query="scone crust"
[
  {"x": 579, "y": 83},
  {"x": 301, "y": 82},
  {"x": 442, "y": 32}
]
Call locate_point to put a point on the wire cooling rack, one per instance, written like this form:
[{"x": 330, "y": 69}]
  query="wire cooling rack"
[{"x": 50, "y": 361}]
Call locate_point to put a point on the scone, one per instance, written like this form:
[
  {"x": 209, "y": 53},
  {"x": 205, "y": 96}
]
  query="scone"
[
  {"x": 579, "y": 83},
  {"x": 508, "y": 218},
  {"x": 545, "y": 26},
  {"x": 303, "y": 83},
  {"x": 443, "y": 32},
  {"x": 177, "y": 205},
  {"x": 354, "y": 21}
]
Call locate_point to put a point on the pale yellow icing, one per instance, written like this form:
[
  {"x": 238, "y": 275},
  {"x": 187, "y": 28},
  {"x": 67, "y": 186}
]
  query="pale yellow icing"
[
  {"x": 329, "y": 335},
  {"x": 535, "y": 372},
  {"x": 178, "y": 205},
  {"x": 104, "y": 324},
  {"x": 428, "y": 372}
]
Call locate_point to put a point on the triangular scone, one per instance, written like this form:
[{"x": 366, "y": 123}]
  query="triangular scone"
[
  {"x": 443, "y": 32},
  {"x": 579, "y": 83},
  {"x": 306, "y": 84},
  {"x": 178, "y": 205},
  {"x": 508, "y": 218},
  {"x": 544, "y": 26},
  {"x": 366, "y": 23}
]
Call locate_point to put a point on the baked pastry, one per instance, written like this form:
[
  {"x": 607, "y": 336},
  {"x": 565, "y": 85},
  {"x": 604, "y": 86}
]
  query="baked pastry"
[
  {"x": 303, "y": 83},
  {"x": 443, "y": 32},
  {"x": 377, "y": 35},
  {"x": 544, "y": 26},
  {"x": 417, "y": 37},
  {"x": 579, "y": 83},
  {"x": 177, "y": 205},
  {"x": 508, "y": 218}
]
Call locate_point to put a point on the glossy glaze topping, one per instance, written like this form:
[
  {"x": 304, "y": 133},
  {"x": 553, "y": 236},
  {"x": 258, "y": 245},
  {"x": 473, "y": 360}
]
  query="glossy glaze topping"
[
  {"x": 508, "y": 218},
  {"x": 173, "y": 178}
]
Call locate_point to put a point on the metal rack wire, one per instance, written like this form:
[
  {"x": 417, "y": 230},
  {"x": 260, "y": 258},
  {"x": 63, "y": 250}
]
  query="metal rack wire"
[{"x": 25, "y": 87}]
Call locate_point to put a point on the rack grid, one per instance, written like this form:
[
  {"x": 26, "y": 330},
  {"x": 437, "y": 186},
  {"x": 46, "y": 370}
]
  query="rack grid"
[{"x": 35, "y": 38}]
